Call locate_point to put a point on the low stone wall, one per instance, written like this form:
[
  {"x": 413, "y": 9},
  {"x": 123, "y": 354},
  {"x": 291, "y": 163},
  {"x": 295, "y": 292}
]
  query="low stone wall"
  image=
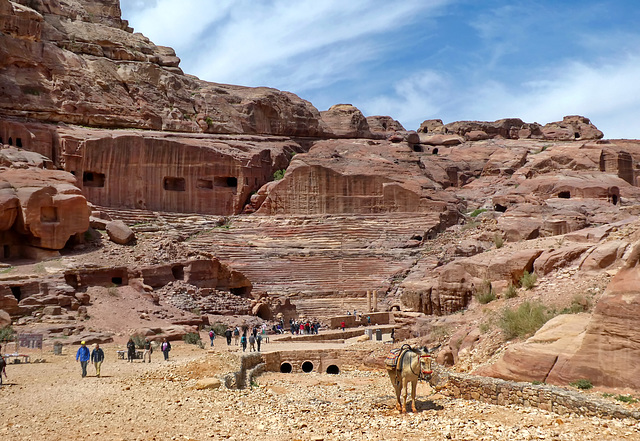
[
  {"x": 546, "y": 397},
  {"x": 350, "y": 321}
]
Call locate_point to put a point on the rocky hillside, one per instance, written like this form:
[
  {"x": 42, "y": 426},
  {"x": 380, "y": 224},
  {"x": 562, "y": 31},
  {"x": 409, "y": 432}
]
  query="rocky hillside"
[{"x": 226, "y": 200}]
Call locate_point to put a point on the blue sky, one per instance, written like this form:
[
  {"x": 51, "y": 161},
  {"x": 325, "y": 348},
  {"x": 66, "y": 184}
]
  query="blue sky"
[{"x": 537, "y": 60}]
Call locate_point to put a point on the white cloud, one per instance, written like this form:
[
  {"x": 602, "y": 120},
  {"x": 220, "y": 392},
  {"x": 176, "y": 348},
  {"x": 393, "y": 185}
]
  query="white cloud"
[{"x": 608, "y": 94}]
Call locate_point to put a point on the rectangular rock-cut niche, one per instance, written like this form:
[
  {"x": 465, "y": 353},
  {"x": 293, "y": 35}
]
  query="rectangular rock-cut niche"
[
  {"x": 48, "y": 215},
  {"x": 93, "y": 179},
  {"x": 226, "y": 181},
  {"x": 174, "y": 184},
  {"x": 205, "y": 183}
]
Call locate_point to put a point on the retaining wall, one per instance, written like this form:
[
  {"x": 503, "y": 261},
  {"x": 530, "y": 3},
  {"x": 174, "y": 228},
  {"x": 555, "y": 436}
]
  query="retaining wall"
[{"x": 551, "y": 398}]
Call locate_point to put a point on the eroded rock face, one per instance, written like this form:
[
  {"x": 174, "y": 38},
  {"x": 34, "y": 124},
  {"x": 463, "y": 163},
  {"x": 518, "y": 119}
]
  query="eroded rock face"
[
  {"x": 355, "y": 176},
  {"x": 79, "y": 63},
  {"x": 346, "y": 121}
]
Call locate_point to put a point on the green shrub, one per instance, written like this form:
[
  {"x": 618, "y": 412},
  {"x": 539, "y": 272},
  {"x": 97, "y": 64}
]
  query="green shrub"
[
  {"x": 485, "y": 293},
  {"x": 139, "y": 340},
  {"x": 208, "y": 120},
  {"x": 498, "y": 240},
  {"x": 218, "y": 328},
  {"x": 525, "y": 320},
  {"x": 626, "y": 399},
  {"x": 537, "y": 383},
  {"x": 528, "y": 280},
  {"x": 470, "y": 225},
  {"x": 192, "y": 338},
  {"x": 583, "y": 384},
  {"x": 477, "y": 211},
  {"x": 511, "y": 291},
  {"x": 485, "y": 327},
  {"x": 7, "y": 333},
  {"x": 279, "y": 174}
]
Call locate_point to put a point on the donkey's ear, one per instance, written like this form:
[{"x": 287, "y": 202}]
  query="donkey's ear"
[{"x": 435, "y": 348}]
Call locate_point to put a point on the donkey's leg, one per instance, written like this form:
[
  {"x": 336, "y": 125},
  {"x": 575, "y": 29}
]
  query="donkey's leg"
[
  {"x": 397, "y": 387},
  {"x": 414, "y": 383},
  {"x": 405, "y": 386}
]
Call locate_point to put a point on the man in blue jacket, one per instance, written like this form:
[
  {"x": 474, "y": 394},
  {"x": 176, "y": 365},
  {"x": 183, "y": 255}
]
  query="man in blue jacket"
[
  {"x": 97, "y": 357},
  {"x": 83, "y": 357}
]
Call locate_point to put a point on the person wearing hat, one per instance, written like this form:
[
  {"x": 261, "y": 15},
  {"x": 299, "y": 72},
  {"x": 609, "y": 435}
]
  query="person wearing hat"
[
  {"x": 83, "y": 357},
  {"x": 97, "y": 357}
]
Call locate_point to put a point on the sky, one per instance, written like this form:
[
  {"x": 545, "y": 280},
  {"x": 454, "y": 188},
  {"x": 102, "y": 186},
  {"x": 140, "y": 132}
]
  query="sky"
[{"x": 414, "y": 60}]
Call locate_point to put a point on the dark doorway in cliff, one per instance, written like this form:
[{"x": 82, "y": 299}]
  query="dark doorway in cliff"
[
  {"x": 264, "y": 312},
  {"x": 417, "y": 148},
  {"x": 241, "y": 291},
  {"x": 1, "y": 141},
  {"x": 6, "y": 251},
  {"x": 116, "y": 280},
  {"x": 19, "y": 142},
  {"x": 576, "y": 135},
  {"x": 174, "y": 184},
  {"x": 178, "y": 272},
  {"x": 205, "y": 183},
  {"x": 226, "y": 181},
  {"x": 72, "y": 280},
  {"x": 499, "y": 208},
  {"x": 17, "y": 292},
  {"x": 564, "y": 195},
  {"x": 435, "y": 151},
  {"x": 93, "y": 179},
  {"x": 614, "y": 199},
  {"x": 333, "y": 369},
  {"x": 10, "y": 141},
  {"x": 48, "y": 215},
  {"x": 286, "y": 368},
  {"x": 307, "y": 367}
]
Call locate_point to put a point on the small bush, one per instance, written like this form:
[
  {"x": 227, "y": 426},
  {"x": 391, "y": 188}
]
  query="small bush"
[
  {"x": 279, "y": 174},
  {"x": 218, "y": 328},
  {"x": 527, "y": 319},
  {"x": 7, "y": 333},
  {"x": 485, "y": 327},
  {"x": 192, "y": 338},
  {"x": 583, "y": 384},
  {"x": 208, "y": 120},
  {"x": 139, "y": 340},
  {"x": 477, "y": 211},
  {"x": 498, "y": 240},
  {"x": 528, "y": 280},
  {"x": 511, "y": 291},
  {"x": 537, "y": 383},
  {"x": 485, "y": 293},
  {"x": 626, "y": 399},
  {"x": 470, "y": 225}
]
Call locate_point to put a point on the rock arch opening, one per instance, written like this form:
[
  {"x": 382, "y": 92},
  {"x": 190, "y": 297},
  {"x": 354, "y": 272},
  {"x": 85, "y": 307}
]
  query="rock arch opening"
[
  {"x": 614, "y": 199},
  {"x": 435, "y": 151},
  {"x": 307, "y": 367},
  {"x": 286, "y": 368},
  {"x": 178, "y": 272},
  {"x": 333, "y": 369}
]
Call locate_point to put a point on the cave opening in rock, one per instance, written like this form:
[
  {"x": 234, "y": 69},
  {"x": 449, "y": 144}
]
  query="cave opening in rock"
[
  {"x": 10, "y": 141},
  {"x": 240, "y": 291},
  {"x": 93, "y": 179},
  {"x": 564, "y": 195},
  {"x": 614, "y": 199},
  {"x": 499, "y": 208},
  {"x": 17, "y": 293},
  {"x": 48, "y": 215},
  {"x": 174, "y": 184},
  {"x": 576, "y": 135},
  {"x": 6, "y": 251},
  {"x": 435, "y": 151},
  {"x": 19, "y": 142},
  {"x": 178, "y": 272},
  {"x": 116, "y": 280},
  {"x": 205, "y": 183},
  {"x": 417, "y": 148}
]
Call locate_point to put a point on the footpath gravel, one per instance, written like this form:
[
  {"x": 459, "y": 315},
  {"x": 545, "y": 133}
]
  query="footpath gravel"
[{"x": 158, "y": 401}]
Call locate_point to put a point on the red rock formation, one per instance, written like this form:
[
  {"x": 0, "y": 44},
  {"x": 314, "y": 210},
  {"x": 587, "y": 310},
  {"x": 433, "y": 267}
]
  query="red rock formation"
[
  {"x": 346, "y": 121},
  {"x": 356, "y": 176}
]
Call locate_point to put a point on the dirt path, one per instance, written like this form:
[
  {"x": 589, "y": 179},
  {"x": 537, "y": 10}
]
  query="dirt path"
[{"x": 157, "y": 401}]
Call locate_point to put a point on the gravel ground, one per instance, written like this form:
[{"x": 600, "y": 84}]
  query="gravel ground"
[{"x": 158, "y": 401}]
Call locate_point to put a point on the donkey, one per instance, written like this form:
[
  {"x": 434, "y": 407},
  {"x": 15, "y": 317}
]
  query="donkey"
[{"x": 412, "y": 364}]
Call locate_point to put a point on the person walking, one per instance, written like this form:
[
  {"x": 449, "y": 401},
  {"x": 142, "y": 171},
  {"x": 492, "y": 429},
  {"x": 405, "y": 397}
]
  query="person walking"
[
  {"x": 3, "y": 368},
  {"x": 243, "y": 342},
  {"x": 212, "y": 336},
  {"x": 148, "y": 350},
  {"x": 236, "y": 335},
  {"x": 165, "y": 347},
  {"x": 131, "y": 350},
  {"x": 228, "y": 334},
  {"x": 259, "y": 341},
  {"x": 342, "y": 325},
  {"x": 252, "y": 343},
  {"x": 97, "y": 357},
  {"x": 83, "y": 356}
]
